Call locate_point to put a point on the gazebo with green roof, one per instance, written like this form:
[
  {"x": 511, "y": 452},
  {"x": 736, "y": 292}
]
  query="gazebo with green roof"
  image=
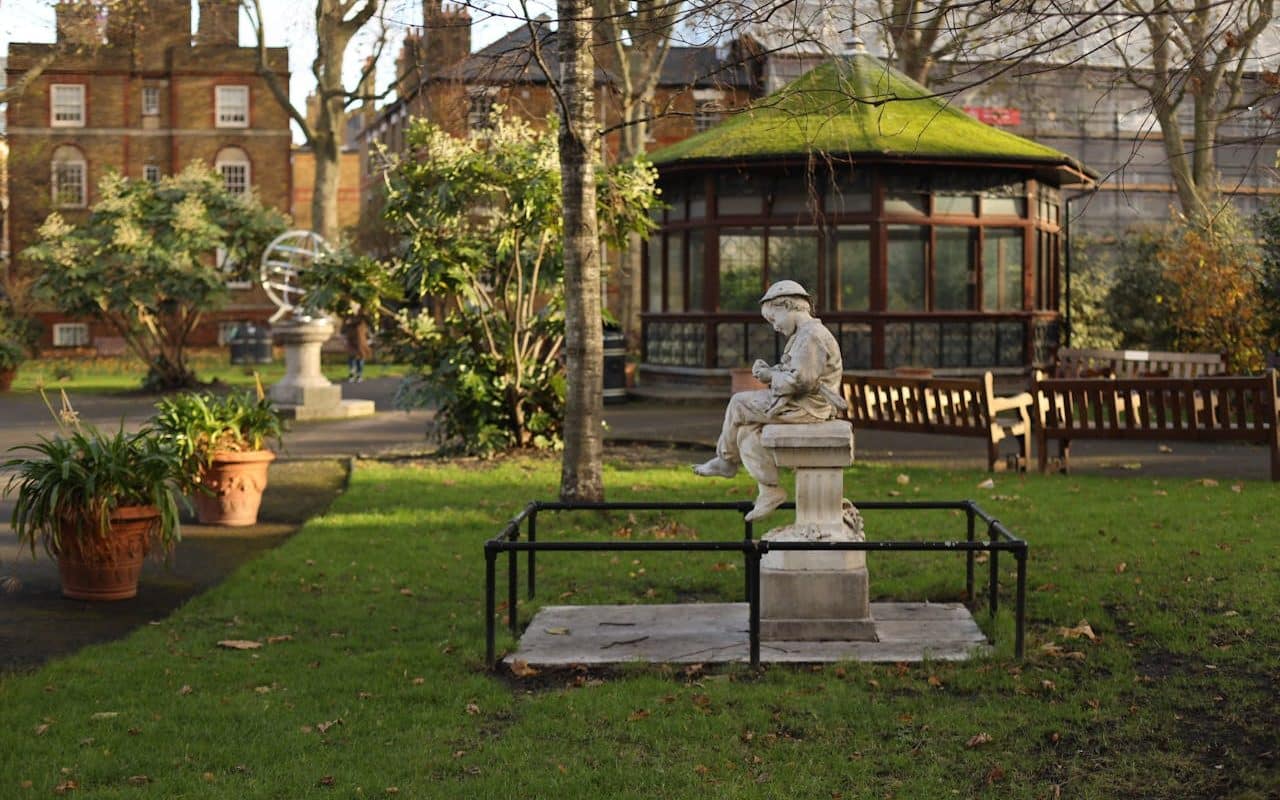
[{"x": 928, "y": 238}]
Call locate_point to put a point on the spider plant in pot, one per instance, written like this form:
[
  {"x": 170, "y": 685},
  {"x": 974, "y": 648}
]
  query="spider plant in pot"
[
  {"x": 222, "y": 443},
  {"x": 97, "y": 502}
]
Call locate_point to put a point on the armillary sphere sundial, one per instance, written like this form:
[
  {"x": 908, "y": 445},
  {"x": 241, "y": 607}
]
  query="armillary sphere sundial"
[
  {"x": 283, "y": 262},
  {"x": 304, "y": 392}
]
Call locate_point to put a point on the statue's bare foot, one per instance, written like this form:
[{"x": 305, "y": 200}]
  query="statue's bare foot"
[
  {"x": 768, "y": 500},
  {"x": 717, "y": 468}
]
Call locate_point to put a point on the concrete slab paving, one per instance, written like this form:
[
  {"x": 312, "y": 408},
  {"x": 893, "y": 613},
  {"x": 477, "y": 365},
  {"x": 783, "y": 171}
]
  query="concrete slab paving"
[{"x": 716, "y": 633}]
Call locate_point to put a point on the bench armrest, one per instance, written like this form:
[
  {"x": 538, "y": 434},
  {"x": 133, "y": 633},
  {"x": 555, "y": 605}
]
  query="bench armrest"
[{"x": 1014, "y": 402}]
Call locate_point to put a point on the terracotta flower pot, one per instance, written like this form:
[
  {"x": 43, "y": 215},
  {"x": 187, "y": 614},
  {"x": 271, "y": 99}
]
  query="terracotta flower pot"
[
  {"x": 6, "y": 379},
  {"x": 107, "y": 567},
  {"x": 237, "y": 481}
]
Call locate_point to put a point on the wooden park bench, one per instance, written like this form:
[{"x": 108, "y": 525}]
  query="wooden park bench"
[
  {"x": 1086, "y": 363},
  {"x": 1204, "y": 409},
  {"x": 953, "y": 406}
]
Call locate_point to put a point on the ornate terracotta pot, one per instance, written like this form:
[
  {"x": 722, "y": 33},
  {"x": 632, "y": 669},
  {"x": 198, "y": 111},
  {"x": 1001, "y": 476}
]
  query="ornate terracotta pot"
[
  {"x": 236, "y": 481},
  {"x": 107, "y": 567}
]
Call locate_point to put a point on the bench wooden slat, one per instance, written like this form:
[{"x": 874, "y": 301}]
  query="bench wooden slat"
[{"x": 1219, "y": 408}]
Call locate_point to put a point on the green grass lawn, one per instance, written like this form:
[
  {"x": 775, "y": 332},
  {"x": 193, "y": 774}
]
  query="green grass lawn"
[
  {"x": 370, "y": 681},
  {"x": 116, "y": 374}
]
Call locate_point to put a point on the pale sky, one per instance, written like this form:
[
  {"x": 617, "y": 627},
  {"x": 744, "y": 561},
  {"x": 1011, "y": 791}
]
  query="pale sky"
[{"x": 288, "y": 24}]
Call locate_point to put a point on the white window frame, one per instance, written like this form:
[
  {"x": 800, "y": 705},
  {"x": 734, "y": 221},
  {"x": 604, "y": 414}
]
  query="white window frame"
[
  {"x": 231, "y": 106},
  {"x": 70, "y": 334},
  {"x": 67, "y": 105},
  {"x": 151, "y": 173},
  {"x": 230, "y": 160},
  {"x": 63, "y": 178},
  {"x": 226, "y": 330},
  {"x": 150, "y": 101}
]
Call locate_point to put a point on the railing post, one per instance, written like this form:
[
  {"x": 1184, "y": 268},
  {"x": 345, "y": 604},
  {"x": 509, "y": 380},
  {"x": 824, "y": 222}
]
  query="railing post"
[
  {"x": 1020, "y": 602},
  {"x": 513, "y": 568},
  {"x": 490, "y": 587},
  {"x": 968, "y": 557},
  {"x": 994, "y": 579},
  {"x": 747, "y": 536},
  {"x": 752, "y": 552},
  {"x": 533, "y": 537}
]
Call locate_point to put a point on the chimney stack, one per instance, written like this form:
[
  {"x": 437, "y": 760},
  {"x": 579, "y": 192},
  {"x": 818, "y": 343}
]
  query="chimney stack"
[{"x": 219, "y": 24}]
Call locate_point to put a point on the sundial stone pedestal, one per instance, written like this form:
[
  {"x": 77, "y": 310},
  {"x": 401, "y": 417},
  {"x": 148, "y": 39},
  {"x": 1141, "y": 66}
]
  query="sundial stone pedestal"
[
  {"x": 304, "y": 393},
  {"x": 814, "y": 595}
]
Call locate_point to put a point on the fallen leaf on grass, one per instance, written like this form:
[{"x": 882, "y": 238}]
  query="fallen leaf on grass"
[
  {"x": 978, "y": 740},
  {"x": 521, "y": 669},
  {"x": 284, "y": 637},
  {"x": 326, "y": 780},
  {"x": 1208, "y": 482},
  {"x": 995, "y": 775},
  {"x": 1081, "y": 631},
  {"x": 1237, "y": 487},
  {"x": 239, "y": 644},
  {"x": 638, "y": 714},
  {"x": 935, "y": 681},
  {"x": 104, "y": 715},
  {"x": 418, "y": 681},
  {"x": 407, "y": 592},
  {"x": 904, "y": 479},
  {"x": 473, "y": 709},
  {"x": 392, "y": 790},
  {"x": 987, "y": 484},
  {"x": 324, "y": 727},
  {"x": 139, "y": 780},
  {"x": 1121, "y": 567},
  {"x": 42, "y": 729},
  {"x": 66, "y": 786}
]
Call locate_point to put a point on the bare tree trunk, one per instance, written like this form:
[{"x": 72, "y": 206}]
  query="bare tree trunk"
[{"x": 581, "y": 471}]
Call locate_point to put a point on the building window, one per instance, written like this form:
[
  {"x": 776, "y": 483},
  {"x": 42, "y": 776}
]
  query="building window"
[
  {"x": 69, "y": 178},
  {"x": 151, "y": 173},
  {"x": 150, "y": 101},
  {"x": 66, "y": 105},
  {"x": 232, "y": 106},
  {"x": 705, "y": 115},
  {"x": 232, "y": 164},
  {"x": 70, "y": 334},
  {"x": 480, "y": 110}
]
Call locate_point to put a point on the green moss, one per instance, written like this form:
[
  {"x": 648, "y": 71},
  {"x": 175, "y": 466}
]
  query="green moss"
[{"x": 856, "y": 105}]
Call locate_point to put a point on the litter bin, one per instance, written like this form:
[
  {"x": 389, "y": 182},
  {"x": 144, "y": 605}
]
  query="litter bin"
[
  {"x": 615, "y": 365},
  {"x": 251, "y": 344}
]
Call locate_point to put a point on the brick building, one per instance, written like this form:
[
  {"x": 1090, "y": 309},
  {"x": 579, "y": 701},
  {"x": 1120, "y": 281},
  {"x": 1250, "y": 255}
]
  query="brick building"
[{"x": 142, "y": 97}]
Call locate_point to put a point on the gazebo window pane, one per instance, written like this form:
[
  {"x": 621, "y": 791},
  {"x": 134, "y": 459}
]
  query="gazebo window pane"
[
  {"x": 850, "y": 269},
  {"x": 675, "y": 272},
  {"x": 962, "y": 205},
  {"x": 907, "y": 257},
  {"x": 794, "y": 196},
  {"x": 793, "y": 255},
  {"x": 906, "y": 204},
  {"x": 697, "y": 199},
  {"x": 952, "y": 267},
  {"x": 655, "y": 272},
  {"x": 673, "y": 196},
  {"x": 696, "y": 257},
  {"x": 851, "y": 194},
  {"x": 741, "y": 270},
  {"x": 739, "y": 194},
  {"x": 1011, "y": 206},
  {"x": 1002, "y": 270}
]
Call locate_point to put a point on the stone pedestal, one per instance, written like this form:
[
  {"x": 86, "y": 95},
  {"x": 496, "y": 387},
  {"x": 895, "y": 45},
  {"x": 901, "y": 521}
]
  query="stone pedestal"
[
  {"x": 815, "y": 595},
  {"x": 304, "y": 392}
]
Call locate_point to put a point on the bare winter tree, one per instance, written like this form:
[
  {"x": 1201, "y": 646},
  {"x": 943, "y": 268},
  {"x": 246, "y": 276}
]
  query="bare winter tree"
[
  {"x": 337, "y": 23},
  {"x": 639, "y": 36}
]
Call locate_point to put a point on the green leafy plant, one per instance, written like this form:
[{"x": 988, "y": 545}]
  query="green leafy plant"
[
  {"x": 77, "y": 478},
  {"x": 143, "y": 262},
  {"x": 198, "y": 425},
  {"x": 482, "y": 232},
  {"x": 17, "y": 333}
]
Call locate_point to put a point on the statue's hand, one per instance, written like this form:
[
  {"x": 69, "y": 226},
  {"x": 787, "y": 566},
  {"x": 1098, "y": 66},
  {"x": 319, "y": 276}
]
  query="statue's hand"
[{"x": 762, "y": 371}]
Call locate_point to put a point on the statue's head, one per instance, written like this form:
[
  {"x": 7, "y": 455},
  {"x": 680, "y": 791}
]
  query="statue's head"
[{"x": 785, "y": 305}]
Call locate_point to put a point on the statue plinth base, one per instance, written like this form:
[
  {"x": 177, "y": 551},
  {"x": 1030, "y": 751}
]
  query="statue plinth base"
[
  {"x": 304, "y": 393},
  {"x": 815, "y": 595}
]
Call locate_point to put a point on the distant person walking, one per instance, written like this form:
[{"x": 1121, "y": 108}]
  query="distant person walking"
[{"x": 356, "y": 331}]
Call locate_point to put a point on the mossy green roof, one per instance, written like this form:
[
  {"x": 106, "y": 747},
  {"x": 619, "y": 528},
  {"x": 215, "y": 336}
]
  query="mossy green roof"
[{"x": 858, "y": 106}]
